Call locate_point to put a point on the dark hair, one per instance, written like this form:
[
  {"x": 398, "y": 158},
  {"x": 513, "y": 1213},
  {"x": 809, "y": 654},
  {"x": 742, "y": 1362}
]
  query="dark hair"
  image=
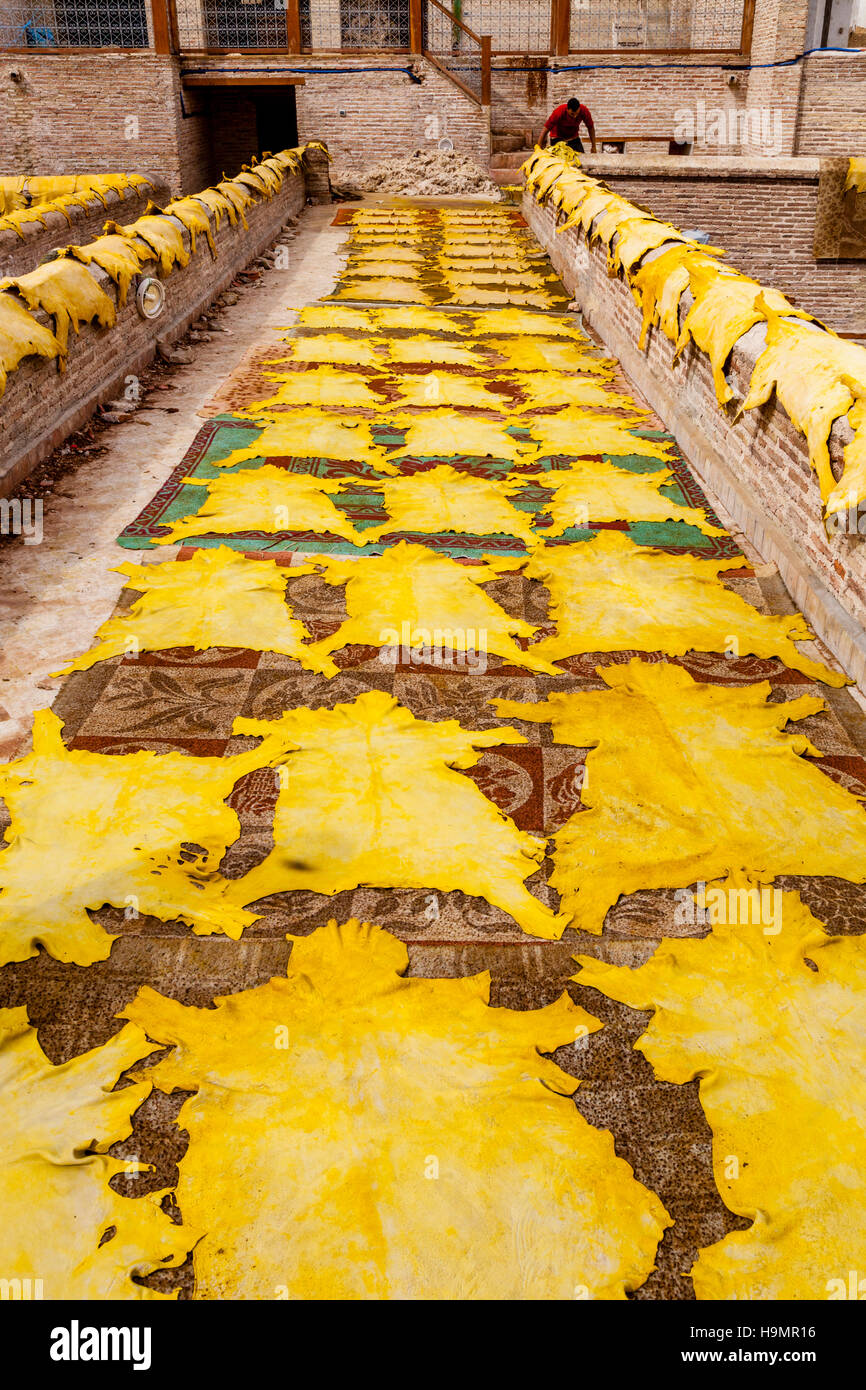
[{"x": 574, "y": 104}]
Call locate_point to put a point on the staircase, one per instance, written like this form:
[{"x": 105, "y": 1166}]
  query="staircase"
[{"x": 510, "y": 146}]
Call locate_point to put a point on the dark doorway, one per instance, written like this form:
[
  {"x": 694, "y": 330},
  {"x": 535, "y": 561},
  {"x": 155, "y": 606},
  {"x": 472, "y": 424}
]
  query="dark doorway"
[
  {"x": 276, "y": 119},
  {"x": 244, "y": 121}
]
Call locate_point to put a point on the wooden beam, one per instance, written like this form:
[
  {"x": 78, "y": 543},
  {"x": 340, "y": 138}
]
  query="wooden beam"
[
  {"x": 486, "y": 44},
  {"x": 560, "y": 27},
  {"x": 174, "y": 26},
  {"x": 416, "y": 27},
  {"x": 748, "y": 26},
  {"x": 293, "y": 27},
  {"x": 161, "y": 30},
  {"x": 257, "y": 79},
  {"x": 456, "y": 80}
]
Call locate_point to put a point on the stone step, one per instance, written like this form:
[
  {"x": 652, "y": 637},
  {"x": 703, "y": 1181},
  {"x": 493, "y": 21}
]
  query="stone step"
[
  {"x": 503, "y": 176},
  {"x": 507, "y": 140},
  {"x": 501, "y": 124},
  {"x": 509, "y": 159}
]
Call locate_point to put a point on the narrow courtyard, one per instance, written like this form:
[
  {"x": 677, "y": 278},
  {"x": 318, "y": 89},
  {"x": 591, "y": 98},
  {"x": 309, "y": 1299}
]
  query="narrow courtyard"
[{"x": 407, "y": 566}]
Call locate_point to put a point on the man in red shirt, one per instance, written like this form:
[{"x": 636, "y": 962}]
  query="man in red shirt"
[{"x": 564, "y": 124}]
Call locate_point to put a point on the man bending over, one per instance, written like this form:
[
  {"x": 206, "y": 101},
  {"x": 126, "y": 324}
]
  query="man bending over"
[{"x": 564, "y": 124}]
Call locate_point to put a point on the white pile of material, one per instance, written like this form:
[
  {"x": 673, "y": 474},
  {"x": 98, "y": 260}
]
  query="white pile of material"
[{"x": 424, "y": 174}]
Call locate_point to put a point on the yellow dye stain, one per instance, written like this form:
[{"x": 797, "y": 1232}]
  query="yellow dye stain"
[
  {"x": 429, "y": 350},
  {"x": 856, "y": 175},
  {"x": 58, "y": 1123},
  {"x": 597, "y": 201},
  {"x": 387, "y": 216},
  {"x": 161, "y": 235},
  {"x": 543, "y": 390},
  {"x": 810, "y": 371},
  {"x": 726, "y": 306},
  {"x": 190, "y": 212},
  {"x": 240, "y": 198},
  {"x": 403, "y": 254},
  {"x": 535, "y": 355},
  {"x": 409, "y": 593},
  {"x": 382, "y": 237},
  {"x": 335, "y": 317},
  {"x": 851, "y": 487},
  {"x": 67, "y": 291},
  {"x": 362, "y": 268},
  {"x": 687, "y": 782},
  {"x": 484, "y": 244},
  {"x": 448, "y": 389},
  {"x": 21, "y": 335},
  {"x": 217, "y": 203},
  {"x": 449, "y": 433},
  {"x": 590, "y": 491},
  {"x": 452, "y": 265},
  {"x": 88, "y": 829},
  {"x": 418, "y": 320},
  {"x": 659, "y": 285},
  {"x": 370, "y": 799},
  {"x": 119, "y": 257},
  {"x": 543, "y": 176},
  {"x": 444, "y": 499},
  {"x": 577, "y": 432},
  {"x": 770, "y": 1017},
  {"x": 350, "y": 352},
  {"x": 263, "y": 499},
  {"x": 409, "y": 1141},
  {"x": 261, "y": 179},
  {"x": 323, "y": 386},
  {"x": 637, "y": 235},
  {"x": 469, "y": 295},
  {"x": 530, "y": 279},
  {"x": 518, "y": 321},
  {"x": 610, "y": 595},
  {"x": 383, "y": 289},
  {"x": 302, "y": 434},
  {"x": 218, "y": 598}
]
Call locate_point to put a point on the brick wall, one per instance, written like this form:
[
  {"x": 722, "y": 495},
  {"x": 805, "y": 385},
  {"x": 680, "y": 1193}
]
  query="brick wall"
[
  {"x": 761, "y": 212},
  {"x": 779, "y": 33},
  {"x": 758, "y": 466},
  {"x": 625, "y": 93},
  {"x": 100, "y": 111},
  {"x": 21, "y": 253},
  {"x": 832, "y": 117},
  {"x": 73, "y": 110},
  {"x": 386, "y": 112},
  {"x": 41, "y": 406}
]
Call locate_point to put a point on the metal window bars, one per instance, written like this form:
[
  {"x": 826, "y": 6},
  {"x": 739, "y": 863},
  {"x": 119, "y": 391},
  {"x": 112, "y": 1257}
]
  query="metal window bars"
[
  {"x": 678, "y": 25},
  {"x": 515, "y": 26},
  {"x": 231, "y": 24},
  {"x": 354, "y": 25},
  {"x": 74, "y": 24},
  {"x": 457, "y": 50}
]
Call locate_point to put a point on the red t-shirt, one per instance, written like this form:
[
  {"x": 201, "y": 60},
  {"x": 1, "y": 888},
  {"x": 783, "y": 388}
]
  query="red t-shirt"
[{"x": 565, "y": 125}]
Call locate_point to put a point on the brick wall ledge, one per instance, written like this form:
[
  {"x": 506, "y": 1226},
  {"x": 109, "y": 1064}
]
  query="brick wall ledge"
[
  {"x": 758, "y": 467},
  {"x": 701, "y": 166},
  {"x": 18, "y": 254},
  {"x": 42, "y": 406}
]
